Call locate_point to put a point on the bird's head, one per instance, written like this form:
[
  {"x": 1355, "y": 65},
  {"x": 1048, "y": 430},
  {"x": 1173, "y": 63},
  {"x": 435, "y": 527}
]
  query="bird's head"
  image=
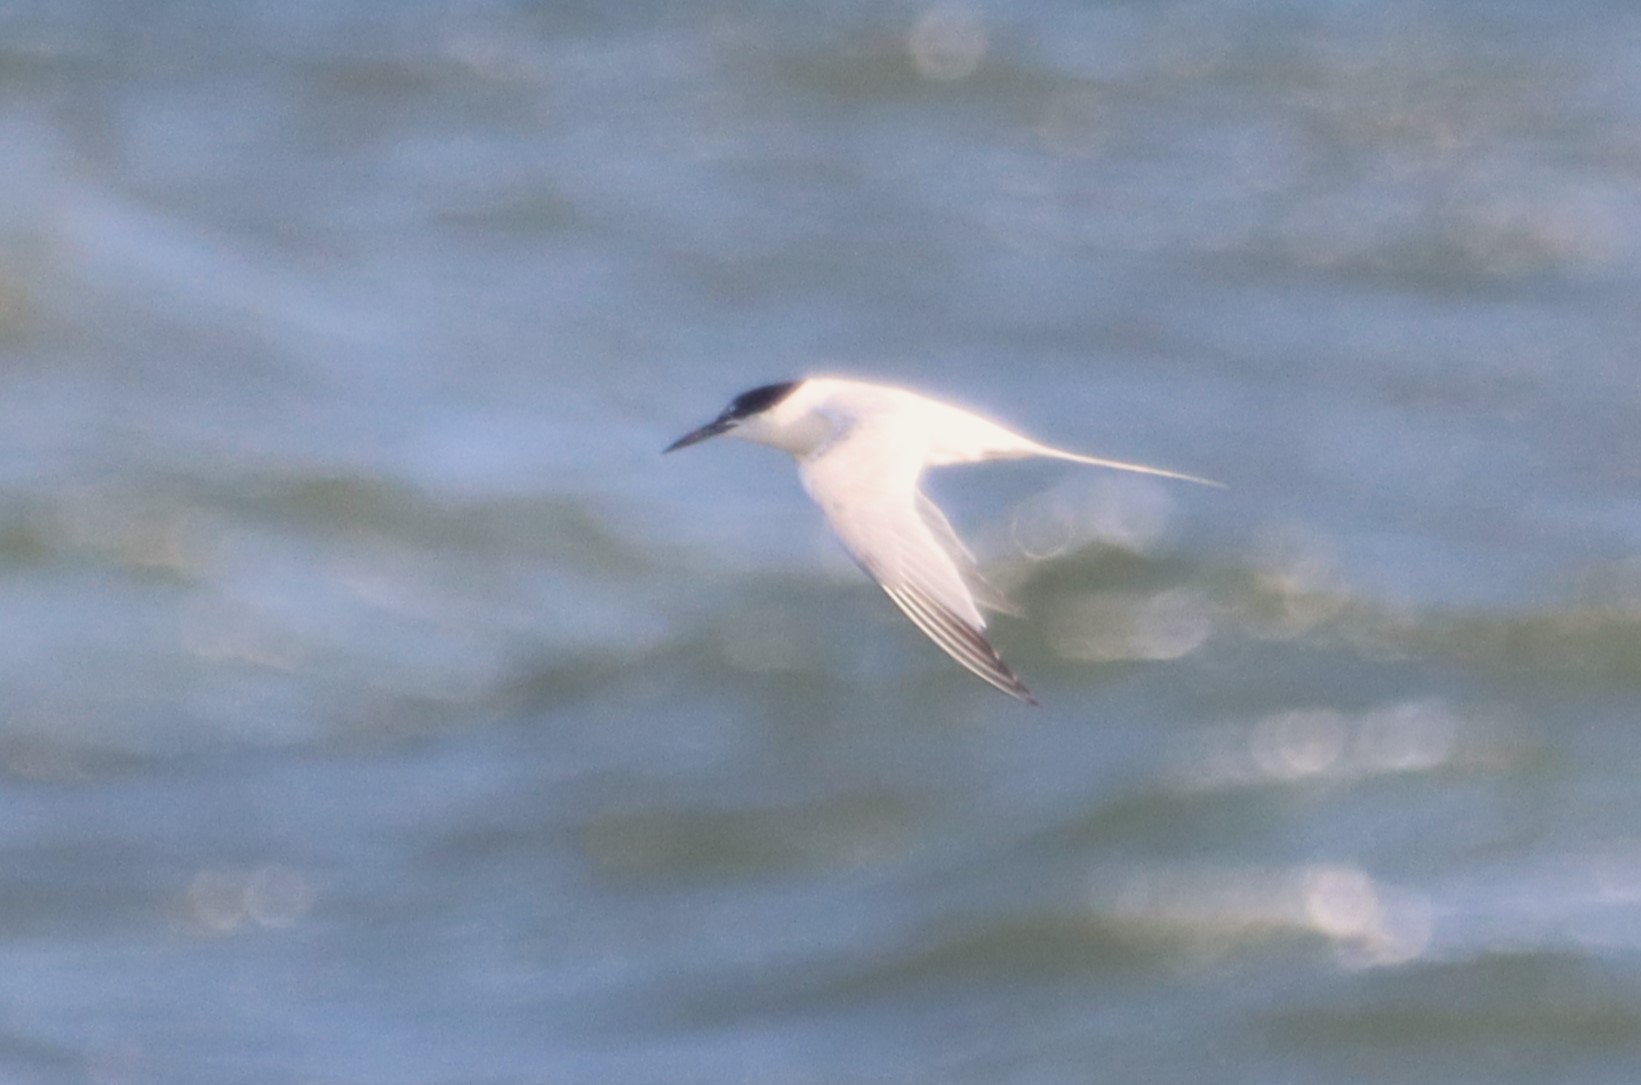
[{"x": 752, "y": 416}]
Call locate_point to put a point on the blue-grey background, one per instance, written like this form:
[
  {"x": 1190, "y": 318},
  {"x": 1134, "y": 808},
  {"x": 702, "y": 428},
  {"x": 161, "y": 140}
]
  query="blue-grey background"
[{"x": 378, "y": 706}]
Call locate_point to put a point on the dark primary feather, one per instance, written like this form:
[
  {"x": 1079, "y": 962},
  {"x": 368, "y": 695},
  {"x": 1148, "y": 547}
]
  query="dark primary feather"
[{"x": 958, "y": 639}]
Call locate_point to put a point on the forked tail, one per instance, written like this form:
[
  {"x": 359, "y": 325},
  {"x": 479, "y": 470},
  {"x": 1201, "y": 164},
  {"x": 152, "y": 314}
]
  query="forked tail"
[{"x": 1119, "y": 465}]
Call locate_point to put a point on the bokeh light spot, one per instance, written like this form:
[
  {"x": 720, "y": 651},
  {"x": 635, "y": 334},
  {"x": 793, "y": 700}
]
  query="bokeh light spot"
[{"x": 947, "y": 42}]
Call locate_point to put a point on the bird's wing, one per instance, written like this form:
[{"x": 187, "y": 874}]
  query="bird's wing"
[{"x": 865, "y": 482}]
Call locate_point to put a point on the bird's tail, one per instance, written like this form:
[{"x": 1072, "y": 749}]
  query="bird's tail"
[{"x": 1118, "y": 465}]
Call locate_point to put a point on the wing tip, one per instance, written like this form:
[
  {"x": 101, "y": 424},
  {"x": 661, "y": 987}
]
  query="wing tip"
[
  {"x": 964, "y": 643},
  {"x": 1014, "y": 687},
  {"x": 1002, "y": 677}
]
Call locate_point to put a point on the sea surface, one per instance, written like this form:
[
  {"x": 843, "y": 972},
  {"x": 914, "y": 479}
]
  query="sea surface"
[{"x": 378, "y": 706}]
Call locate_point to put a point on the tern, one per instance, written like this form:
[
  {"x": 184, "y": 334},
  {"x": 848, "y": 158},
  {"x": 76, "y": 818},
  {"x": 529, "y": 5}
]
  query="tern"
[{"x": 861, "y": 449}]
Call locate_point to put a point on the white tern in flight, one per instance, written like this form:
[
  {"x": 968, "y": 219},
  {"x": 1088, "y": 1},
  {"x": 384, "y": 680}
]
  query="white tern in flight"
[{"x": 861, "y": 449}]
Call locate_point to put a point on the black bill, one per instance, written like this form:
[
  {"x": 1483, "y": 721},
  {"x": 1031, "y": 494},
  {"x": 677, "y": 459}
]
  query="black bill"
[{"x": 711, "y": 429}]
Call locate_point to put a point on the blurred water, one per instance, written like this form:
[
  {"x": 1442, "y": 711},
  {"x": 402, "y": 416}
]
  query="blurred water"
[{"x": 379, "y": 707}]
